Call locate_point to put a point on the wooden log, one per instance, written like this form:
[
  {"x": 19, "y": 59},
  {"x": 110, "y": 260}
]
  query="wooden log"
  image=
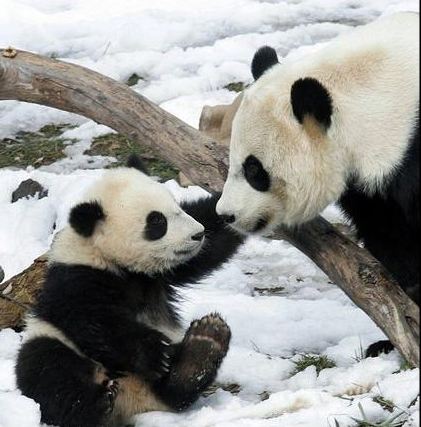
[
  {"x": 364, "y": 280},
  {"x": 33, "y": 78},
  {"x": 19, "y": 293}
]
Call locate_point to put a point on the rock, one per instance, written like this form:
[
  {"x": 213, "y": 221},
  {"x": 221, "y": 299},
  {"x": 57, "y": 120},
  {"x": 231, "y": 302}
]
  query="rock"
[
  {"x": 29, "y": 188},
  {"x": 183, "y": 180},
  {"x": 1, "y": 275}
]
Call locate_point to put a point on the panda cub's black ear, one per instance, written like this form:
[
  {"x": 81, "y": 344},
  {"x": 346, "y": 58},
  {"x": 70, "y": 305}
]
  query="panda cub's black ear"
[
  {"x": 309, "y": 96},
  {"x": 265, "y": 58},
  {"x": 85, "y": 216},
  {"x": 134, "y": 161}
]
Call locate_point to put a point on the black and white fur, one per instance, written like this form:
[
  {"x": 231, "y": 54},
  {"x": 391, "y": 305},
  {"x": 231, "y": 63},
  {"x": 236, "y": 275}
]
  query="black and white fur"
[
  {"x": 340, "y": 125},
  {"x": 104, "y": 340}
]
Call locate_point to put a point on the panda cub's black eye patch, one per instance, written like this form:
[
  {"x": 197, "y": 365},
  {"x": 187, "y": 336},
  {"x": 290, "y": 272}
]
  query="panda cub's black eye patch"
[
  {"x": 255, "y": 174},
  {"x": 156, "y": 226}
]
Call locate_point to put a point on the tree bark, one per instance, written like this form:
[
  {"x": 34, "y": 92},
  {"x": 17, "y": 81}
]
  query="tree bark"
[
  {"x": 19, "y": 293},
  {"x": 32, "y": 78}
]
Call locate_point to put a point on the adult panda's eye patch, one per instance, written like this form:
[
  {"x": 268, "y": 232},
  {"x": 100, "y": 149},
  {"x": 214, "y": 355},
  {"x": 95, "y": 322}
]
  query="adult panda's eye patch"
[
  {"x": 156, "y": 226},
  {"x": 255, "y": 174}
]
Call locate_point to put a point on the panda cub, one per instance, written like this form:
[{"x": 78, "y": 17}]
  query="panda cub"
[{"x": 104, "y": 340}]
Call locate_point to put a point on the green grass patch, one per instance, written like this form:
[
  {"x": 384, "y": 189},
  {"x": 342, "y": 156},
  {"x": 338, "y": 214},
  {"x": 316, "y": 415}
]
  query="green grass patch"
[
  {"x": 405, "y": 366},
  {"x": 397, "y": 420},
  {"x": 320, "y": 362},
  {"x": 235, "y": 86},
  {"x": 120, "y": 147},
  {"x": 46, "y": 145},
  {"x": 34, "y": 148},
  {"x": 359, "y": 353},
  {"x": 386, "y": 404},
  {"x": 393, "y": 420}
]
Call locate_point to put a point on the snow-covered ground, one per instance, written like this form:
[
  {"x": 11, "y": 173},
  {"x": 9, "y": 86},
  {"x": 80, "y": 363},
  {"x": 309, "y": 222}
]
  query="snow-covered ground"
[{"x": 187, "y": 51}]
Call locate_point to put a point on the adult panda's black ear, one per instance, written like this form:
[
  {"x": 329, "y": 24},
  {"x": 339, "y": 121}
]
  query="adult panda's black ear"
[
  {"x": 85, "y": 216},
  {"x": 310, "y": 97},
  {"x": 265, "y": 58},
  {"x": 134, "y": 161}
]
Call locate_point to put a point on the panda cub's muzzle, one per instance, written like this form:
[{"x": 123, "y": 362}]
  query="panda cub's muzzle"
[{"x": 192, "y": 246}]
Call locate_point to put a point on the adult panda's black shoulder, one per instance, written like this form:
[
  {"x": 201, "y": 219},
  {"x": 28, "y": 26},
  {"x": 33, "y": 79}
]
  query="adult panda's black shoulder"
[
  {"x": 104, "y": 340},
  {"x": 388, "y": 219},
  {"x": 339, "y": 125}
]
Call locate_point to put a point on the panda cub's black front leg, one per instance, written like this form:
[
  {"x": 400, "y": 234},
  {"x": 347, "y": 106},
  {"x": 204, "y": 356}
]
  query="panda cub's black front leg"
[{"x": 196, "y": 362}]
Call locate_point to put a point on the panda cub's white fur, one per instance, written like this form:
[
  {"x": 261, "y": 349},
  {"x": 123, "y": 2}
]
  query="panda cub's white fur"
[
  {"x": 372, "y": 77},
  {"x": 126, "y": 197}
]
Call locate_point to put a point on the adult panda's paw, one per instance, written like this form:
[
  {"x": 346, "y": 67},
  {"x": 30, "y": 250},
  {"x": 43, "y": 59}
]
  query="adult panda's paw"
[
  {"x": 379, "y": 347},
  {"x": 210, "y": 331}
]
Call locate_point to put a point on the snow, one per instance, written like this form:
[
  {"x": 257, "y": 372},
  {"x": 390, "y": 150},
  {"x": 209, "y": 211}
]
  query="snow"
[{"x": 186, "y": 51}]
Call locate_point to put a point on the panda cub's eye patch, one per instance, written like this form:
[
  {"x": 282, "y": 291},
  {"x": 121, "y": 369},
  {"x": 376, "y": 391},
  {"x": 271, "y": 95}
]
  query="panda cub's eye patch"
[
  {"x": 156, "y": 226},
  {"x": 256, "y": 174}
]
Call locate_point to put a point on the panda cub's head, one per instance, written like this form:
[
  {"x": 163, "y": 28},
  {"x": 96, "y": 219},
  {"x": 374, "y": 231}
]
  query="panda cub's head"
[
  {"x": 127, "y": 220},
  {"x": 283, "y": 169}
]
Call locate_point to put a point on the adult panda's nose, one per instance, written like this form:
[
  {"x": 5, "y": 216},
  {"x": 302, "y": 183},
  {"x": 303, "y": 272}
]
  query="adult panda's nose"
[
  {"x": 198, "y": 236},
  {"x": 224, "y": 207},
  {"x": 229, "y": 219}
]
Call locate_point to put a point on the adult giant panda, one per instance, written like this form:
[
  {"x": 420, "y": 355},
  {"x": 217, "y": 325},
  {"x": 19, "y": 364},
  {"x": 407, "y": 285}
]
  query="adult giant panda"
[
  {"x": 339, "y": 125},
  {"x": 104, "y": 340}
]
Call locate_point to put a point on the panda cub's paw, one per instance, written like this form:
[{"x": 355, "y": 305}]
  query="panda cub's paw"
[
  {"x": 210, "y": 334},
  {"x": 196, "y": 361}
]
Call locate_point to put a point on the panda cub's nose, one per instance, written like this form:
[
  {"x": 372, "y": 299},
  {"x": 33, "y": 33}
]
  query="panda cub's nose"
[
  {"x": 229, "y": 219},
  {"x": 198, "y": 236}
]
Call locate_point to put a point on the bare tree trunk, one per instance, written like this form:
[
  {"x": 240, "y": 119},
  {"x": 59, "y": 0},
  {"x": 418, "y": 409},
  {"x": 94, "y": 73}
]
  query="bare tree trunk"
[{"x": 32, "y": 78}]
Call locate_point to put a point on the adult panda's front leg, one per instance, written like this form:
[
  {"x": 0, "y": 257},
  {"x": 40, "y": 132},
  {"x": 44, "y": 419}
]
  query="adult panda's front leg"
[{"x": 195, "y": 363}]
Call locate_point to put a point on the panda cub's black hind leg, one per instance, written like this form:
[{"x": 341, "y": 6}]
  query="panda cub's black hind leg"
[
  {"x": 196, "y": 362},
  {"x": 70, "y": 389}
]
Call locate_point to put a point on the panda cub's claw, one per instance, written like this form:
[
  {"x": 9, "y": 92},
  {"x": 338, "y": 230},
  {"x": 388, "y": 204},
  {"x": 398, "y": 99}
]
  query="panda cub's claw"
[
  {"x": 196, "y": 361},
  {"x": 211, "y": 329},
  {"x": 112, "y": 389}
]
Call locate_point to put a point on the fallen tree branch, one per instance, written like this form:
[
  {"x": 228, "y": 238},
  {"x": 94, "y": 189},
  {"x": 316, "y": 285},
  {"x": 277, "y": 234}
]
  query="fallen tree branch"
[
  {"x": 32, "y": 78},
  {"x": 19, "y": 293},
  {"x": 364, "y": 280}
]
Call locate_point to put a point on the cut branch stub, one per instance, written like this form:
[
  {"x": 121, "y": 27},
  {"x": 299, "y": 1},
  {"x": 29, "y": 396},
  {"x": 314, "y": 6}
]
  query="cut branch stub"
[{"x": 32, "y": 78}]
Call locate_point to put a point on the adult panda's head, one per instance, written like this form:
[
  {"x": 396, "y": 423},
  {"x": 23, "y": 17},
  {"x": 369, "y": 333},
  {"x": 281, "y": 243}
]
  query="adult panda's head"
[
  {"x": 128, "y": 221},
  {"x": 284, "y": 168}
]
